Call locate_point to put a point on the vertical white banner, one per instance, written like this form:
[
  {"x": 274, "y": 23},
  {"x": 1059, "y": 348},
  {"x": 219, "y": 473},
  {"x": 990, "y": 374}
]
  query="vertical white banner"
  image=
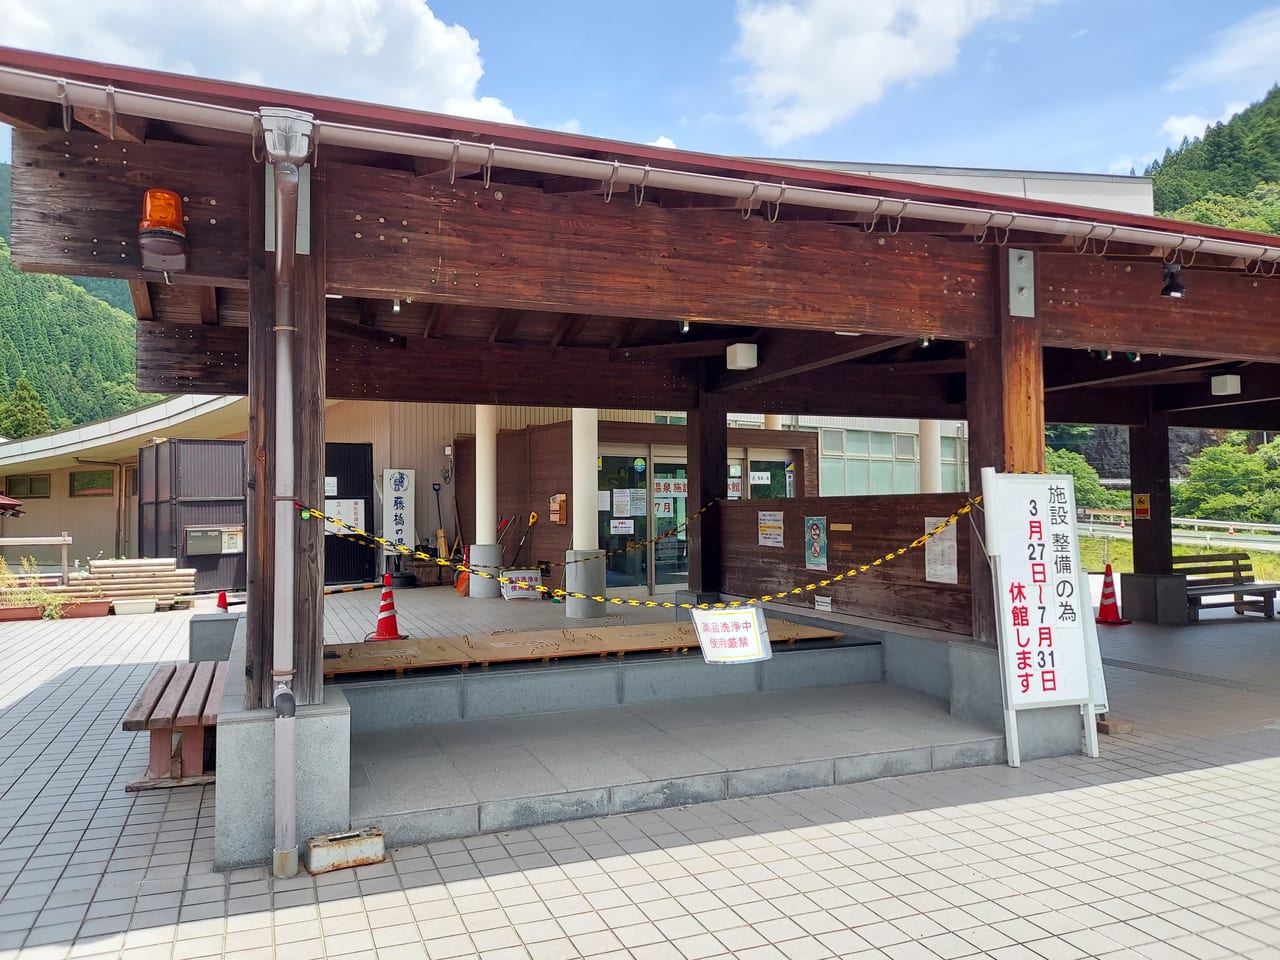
[{"x": 398, "y": 507}]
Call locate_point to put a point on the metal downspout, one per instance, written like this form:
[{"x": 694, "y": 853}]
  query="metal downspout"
[{"x": 287, "y": 141}]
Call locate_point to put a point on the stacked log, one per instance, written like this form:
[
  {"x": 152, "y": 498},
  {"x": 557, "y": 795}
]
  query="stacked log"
[{"x": 134, "y": 579}]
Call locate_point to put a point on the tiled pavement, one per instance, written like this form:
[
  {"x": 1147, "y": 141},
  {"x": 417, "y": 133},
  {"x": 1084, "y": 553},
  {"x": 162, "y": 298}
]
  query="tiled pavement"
[{"x": 1167, "y": 847}]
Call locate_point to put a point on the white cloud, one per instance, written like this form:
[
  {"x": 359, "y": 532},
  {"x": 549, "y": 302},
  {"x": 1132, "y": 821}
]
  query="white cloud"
[
  {"x": 1192, "y": 125},
  {"x": 814, "y": 63},
  {"x": 1240, "y": 59},
  {"x": 572, "y": 125},
  {"x": 665, "y": 142},
  {"x": 384, "y": 51}
]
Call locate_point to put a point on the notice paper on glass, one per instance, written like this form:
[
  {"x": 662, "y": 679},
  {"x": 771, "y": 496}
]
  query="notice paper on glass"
[
  {"x": 602, "y": 501},
  {"x": 622, "y": 527},
  {"x": 732, "y": 636},
  {"x": 940, "y": 563},
  {"x": 622, "y": 503},
  {"x": 769, "y": 528}
]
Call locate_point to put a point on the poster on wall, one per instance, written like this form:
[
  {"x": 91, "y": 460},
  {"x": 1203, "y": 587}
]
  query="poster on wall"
[
  {"x": 815, "y": 543},
  {"x": 732, "y": 636},
  {"x": 941, "y": 564},
  {"x": 639, "y": 504},
  {"x": 622, "y": 502},
  {"x": 769, "y": 528},
  {"x": 350, "y": 512},
  {"x": 398, "y": 508}
]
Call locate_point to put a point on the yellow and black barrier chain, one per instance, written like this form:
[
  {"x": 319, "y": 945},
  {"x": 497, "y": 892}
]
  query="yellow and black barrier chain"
[{"x": 308, "y": 513}]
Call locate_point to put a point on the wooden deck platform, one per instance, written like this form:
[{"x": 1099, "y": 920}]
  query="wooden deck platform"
[{"x": 400, "y": 656}]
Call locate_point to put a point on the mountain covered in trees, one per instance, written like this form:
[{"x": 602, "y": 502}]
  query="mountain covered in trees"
[
  {"x": 1230, "y": 176},
  {"x": 66, "y": 347}
]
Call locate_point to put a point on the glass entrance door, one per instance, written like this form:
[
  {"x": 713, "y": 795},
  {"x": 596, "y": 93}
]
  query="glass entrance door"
[
  {"x": 669, "y": 495},
  {"x": 624, "y": 524}
]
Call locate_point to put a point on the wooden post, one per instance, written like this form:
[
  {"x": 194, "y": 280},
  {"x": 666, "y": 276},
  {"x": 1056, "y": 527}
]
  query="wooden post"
[
  {"x": 308, "y": 476},
  {"x": 260, "y": 464},
  {"x": 708, "y": 455},
  {"x": 66, "y": 539},
  {"x": 1005, "y": 401},
  {"x": 1149, "y": 472}
]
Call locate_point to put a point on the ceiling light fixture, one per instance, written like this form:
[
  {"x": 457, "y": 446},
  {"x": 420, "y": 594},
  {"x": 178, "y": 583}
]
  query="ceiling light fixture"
[
  {"x": 395, "y": 306},
  {"x": 684, "y": 326},
  {"x": 1173, "y": 282}
]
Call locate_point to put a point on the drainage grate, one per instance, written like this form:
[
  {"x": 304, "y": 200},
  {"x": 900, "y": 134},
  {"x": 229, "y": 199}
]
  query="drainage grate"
[{"x": 1196, "y": 677}]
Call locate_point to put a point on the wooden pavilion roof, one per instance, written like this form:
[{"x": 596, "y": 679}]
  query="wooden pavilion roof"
[{"x": 458, "y": 280}]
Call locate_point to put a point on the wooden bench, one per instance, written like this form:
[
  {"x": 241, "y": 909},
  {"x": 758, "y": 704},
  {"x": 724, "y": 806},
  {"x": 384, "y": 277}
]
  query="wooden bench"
[
  {"x": 177, "y": 706},
  {"x": 1222, "y": 574}
]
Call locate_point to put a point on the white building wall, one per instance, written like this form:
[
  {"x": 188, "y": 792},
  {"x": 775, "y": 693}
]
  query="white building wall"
[{"x": 91, "y": 521}]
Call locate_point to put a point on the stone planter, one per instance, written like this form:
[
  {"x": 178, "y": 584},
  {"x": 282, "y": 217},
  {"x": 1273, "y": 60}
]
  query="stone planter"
[
  {"x": 32, "y": 612},
  {"x": 86, "y": 608}
]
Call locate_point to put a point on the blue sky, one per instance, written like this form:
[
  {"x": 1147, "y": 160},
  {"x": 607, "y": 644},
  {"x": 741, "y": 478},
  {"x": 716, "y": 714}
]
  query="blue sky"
[{"x": 1080, "y": 85}]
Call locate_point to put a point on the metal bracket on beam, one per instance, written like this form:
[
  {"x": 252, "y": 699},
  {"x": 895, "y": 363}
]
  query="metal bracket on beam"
[{"x": 1022, "y": 283}]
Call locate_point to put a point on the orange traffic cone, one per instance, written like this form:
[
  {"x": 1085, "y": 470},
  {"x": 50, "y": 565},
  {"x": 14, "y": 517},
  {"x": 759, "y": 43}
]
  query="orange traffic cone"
[
  {"x": 1231, "y": 530},
  {"x": 222, "y": 600},
  {"x": 1109, "y": 610},
  {"x": 1123, "y": 526},
  {"x": 388, "y": 628}
]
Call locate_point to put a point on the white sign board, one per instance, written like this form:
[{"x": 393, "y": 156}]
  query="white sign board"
[
  {"x": 622, "y": 527},
  {"x": 940, "y": 562},
  {"x": 671, "y": 488},
  {"x": 398, "y": 507},
  {"x": 1041, "y": 596},
  {"x": 330, "y": 486},
  {"x": 622, "y": 502},
  {"x": 348, "y": 511},
  {"x": 521, "y": 585},
  {"x": 732, "y": 636},
  {"x": 769, "y": 528},
  {"x": 760, "y": 478},
  {"x": 821, "y": 603}
]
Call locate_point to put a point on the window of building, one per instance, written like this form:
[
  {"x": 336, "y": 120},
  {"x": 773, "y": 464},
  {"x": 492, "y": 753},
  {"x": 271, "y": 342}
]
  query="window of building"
[
  {"x": 669, "y": 418},
  {"x": 955, "y": 464},
  {"x": 859, "y": 462},
  {"x": 34, "y": 487},
  {"x": 92, "y": 483}
]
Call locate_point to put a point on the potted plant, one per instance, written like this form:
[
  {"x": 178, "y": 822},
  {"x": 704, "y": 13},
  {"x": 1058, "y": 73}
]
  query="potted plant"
[
  {"x": 88, "y": 599},
  {"x": 19, "y": 600}
]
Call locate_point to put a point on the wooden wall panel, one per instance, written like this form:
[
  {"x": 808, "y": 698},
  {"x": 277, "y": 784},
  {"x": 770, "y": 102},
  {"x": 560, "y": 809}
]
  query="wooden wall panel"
[
  {"x": 895, "y": 592},
  {"x": 77, "y": 199},
  {"x": 465, "y": 244},
  {"x": 1099, "y": 304}
]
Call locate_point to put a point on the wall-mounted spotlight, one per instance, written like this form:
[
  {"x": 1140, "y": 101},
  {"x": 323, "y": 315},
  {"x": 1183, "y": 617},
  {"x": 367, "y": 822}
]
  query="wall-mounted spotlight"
[
  {"x": 684, "y": 326},
  {"x": 924, "y": 341},
  {"x": 1106, "y": 354},
  {"x": 1173, "y": 282},
  {"x": 395, "y": 306}
]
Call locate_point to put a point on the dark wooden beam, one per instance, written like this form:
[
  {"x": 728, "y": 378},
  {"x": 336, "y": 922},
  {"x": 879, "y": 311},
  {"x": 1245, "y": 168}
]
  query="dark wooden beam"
[
  {"x": 504, "y": 325},
  {"x": 627, "y": 330},
  {"x": 249, "y": 356},
  {"x": 128, "y": 129},
  {"x": 29, "y": 115},
  {"x": 140, "y": 294},
  {"x": 1248, "y": 416},
  {"x": 1077, "y": 368},
  {"x": 786, "y": 354},
  {"x": 436, "y": 317},
  {"x": 1006, "y": 420},
  {"x": 436, "y": 169},
  {"x": 1090, "y": 303},
  {"x": 76, "y": 202},
  {"x": 569, "y": 328},
  {"x": 680, "y": 350},
  {"x": 310, "y": 311},
  {"x": 1118, "y": 406},
  {"x": 1149, "y": 473},
  {"x": 189, "y": 358},
  {"x": 466, "y": 246},
  {"x": 707, "y": 447},
  {"x": 1257, "y": 385},
  {"x": 368, "y": 313},
  {"x": 354, "y": 331},
  {"x": 208, "y": 304}
]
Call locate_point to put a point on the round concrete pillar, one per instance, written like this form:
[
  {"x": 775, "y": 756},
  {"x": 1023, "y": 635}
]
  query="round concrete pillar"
[
  {"x": 486, "y": 558},
  {"x": 584, "y": 574}
]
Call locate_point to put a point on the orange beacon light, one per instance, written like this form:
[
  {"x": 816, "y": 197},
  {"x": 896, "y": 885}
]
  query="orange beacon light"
[{"x": 162, "y": 237}]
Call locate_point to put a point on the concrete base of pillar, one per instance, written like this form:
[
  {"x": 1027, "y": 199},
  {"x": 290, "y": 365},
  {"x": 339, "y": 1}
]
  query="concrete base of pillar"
[
  {"x": 485, "y": 557},
  {"x": 584, "y": 574}
]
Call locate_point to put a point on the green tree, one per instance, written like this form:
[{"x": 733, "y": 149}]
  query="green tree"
[
  {"x": 22, "y": 414},
  {"x": 1089, "y": 489},
  {"x": 1228, "y": 482}
]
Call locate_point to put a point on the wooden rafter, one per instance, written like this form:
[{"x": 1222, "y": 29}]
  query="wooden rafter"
[
  {"x": 129, "y": 129},
  {"x": 568, "y": 329},
  {"x": 1078, "y": 369},
  {"x": 784, "y": 355},
  {"x": 627, "y": 330},
  {"x": 208, "y": 304},
  {"x": 24, "y": 114},
  {"x": 355, "y": 331},
  {"x": 140, "y": 294},
  {"x": 435, "y": 169},
  {"x": 681, "y": 350},
  {"x": 368, "y": 313},
  {"x": 504, "y": 325}
]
